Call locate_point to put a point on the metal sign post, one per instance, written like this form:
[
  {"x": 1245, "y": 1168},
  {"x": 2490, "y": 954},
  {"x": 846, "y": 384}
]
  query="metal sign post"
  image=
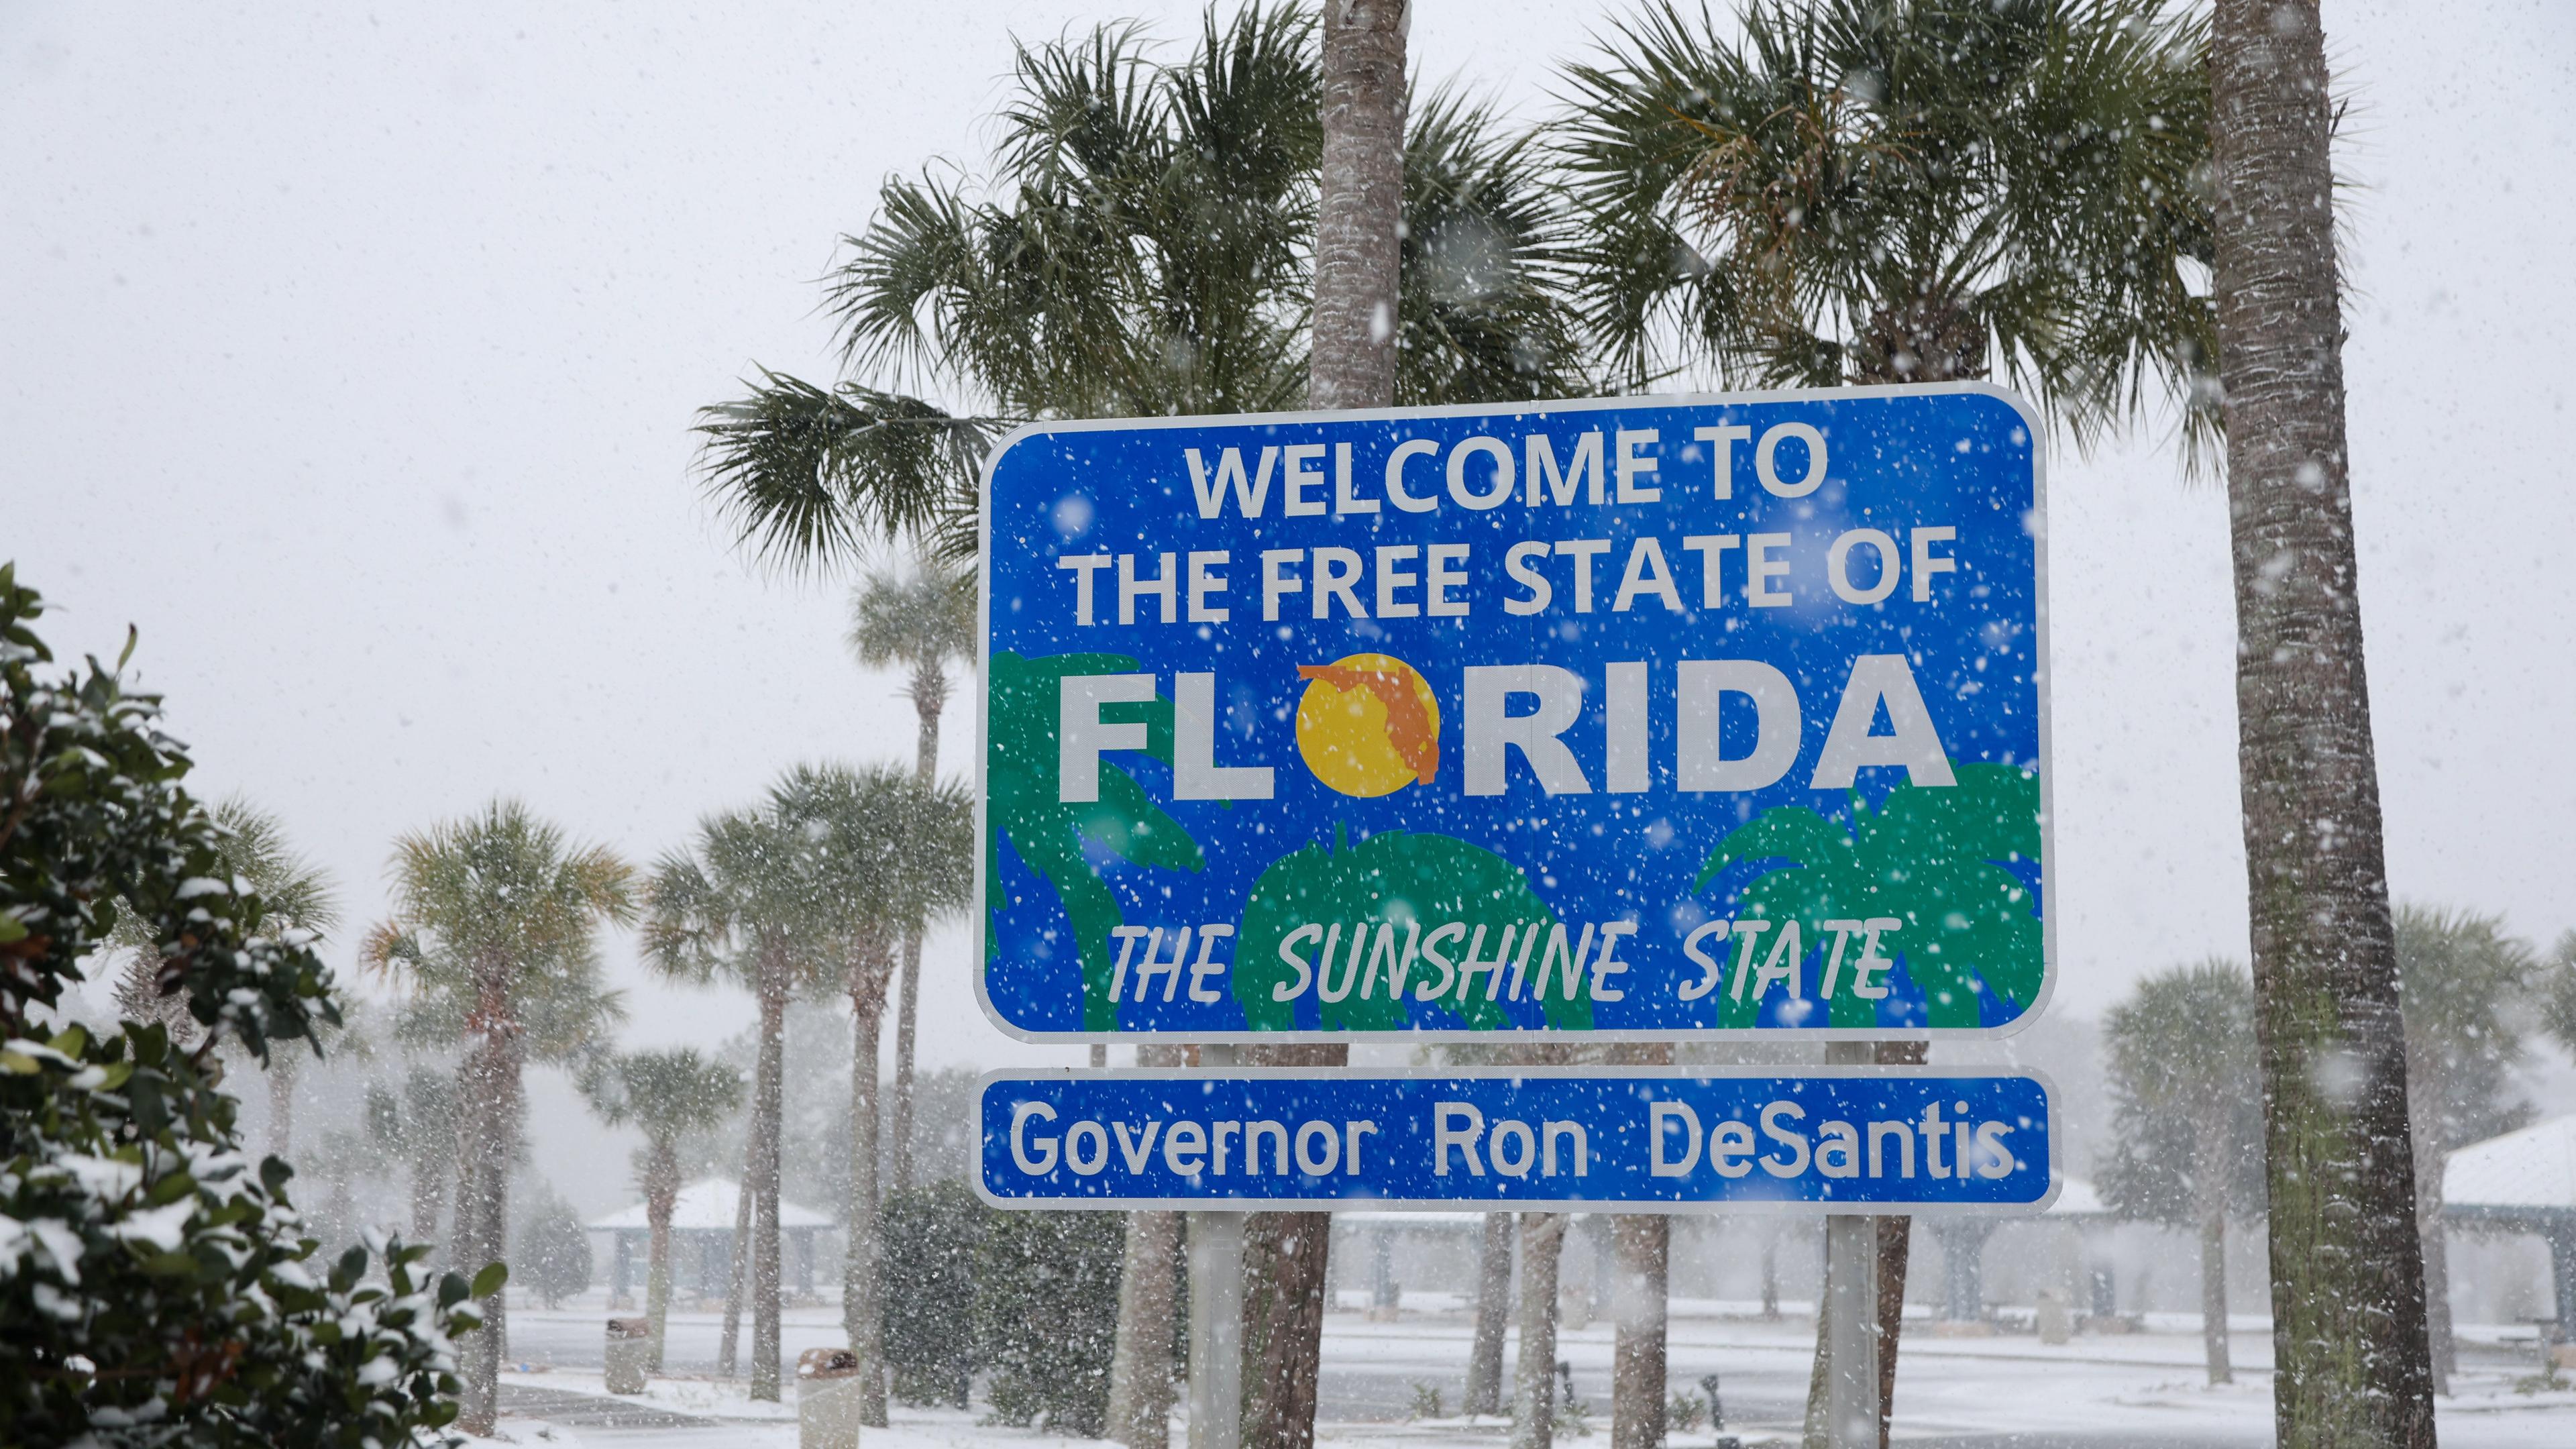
[
  {"x": 1850, "y": 1306},
  {"x": 1216, "y": 1313}
]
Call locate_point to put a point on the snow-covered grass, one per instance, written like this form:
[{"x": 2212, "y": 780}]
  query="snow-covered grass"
[{"x": 2123, "y": 1389}]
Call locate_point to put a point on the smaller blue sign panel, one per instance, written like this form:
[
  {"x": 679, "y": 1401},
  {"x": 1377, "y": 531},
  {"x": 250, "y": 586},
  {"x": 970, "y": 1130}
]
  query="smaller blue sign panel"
[{"x": 1850, "y": 1140}]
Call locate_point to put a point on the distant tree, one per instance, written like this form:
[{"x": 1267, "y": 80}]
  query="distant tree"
[
  {"x": 890, "y": 853},
  {"x": 335, "y": 1159},
  {"x": 2557, "y": 993},
  {"x": 2186, "y": 1088},
  {"x": 917, "y": 620},
  {"x": 752, "y": 901},
  {"x": 495, "y": 933},
  {"x": 668, "y": 1095},
  {"x": 2464, "y": 985},
  {"x": 301, "y": 897},
  {"x": 553, "y": 1253},
  {"x": 154, "y": 1287},
  {"x": 1046, "y": 1317}
]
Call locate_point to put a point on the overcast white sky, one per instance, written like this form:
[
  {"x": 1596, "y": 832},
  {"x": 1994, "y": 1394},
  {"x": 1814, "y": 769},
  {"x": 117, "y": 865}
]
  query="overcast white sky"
[{"x": 351, "y": 355}]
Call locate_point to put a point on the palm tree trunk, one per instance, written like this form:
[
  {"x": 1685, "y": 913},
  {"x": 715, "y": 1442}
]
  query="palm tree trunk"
[
  {"x": 1285, "y": 1256},
  {"x": 929, "y": 695},
  {"x": 478, "y": 1404},
  {"x": 1534, "y": 1378},
  {"x": 661, "y": 1194},
  {"x": 1771, "y": 1273},
  {"x": 1642, "y": 1244},
  {"x": 769, "y": 1106},
  {"x": 728, "y": 1356},
  {"x": 2437, "y": 1294},
  {"x": 862, "y": 1314},
  {"x": 1359, "y": 204},
  {"x": 2209, "y": 1175},
  {"x": 490, "y": 1091},
  {"x": 2425, "y": 1091},
  {"x": 1493, "y": 1318},
  {"x": 429, "y": 1193},
  {"x": 1140, "y": 1368},
  {"x": 907, "y": 1011},
  {"x": 1895, "y": 1255},
  {"x": 2348, "y": 1304},
  {"x": 1895, "y": 1259}
]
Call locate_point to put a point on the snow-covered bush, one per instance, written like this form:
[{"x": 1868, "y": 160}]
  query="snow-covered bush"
[
  {"x": 156, "y": 1287},
  {"x": 553, "y": 1251}
]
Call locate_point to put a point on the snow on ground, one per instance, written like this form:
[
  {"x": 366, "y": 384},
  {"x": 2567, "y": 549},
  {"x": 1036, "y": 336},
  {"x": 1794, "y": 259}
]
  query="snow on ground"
[{"x": 2135, "y": 1391}]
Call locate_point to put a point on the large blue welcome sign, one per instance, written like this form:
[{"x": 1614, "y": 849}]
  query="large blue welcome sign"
[
  {"x": 1626, "y": 718},
  {"x": 1849, "y": 1140}
]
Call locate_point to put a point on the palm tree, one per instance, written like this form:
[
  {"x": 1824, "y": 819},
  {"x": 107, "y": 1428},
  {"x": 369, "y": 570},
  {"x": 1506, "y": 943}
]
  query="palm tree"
[
  {"x": 495, "y": 930},
  {"x": 2188, "y": 1093},
  {"x": 2351, "y": 1362},
  {"x": 918, "y": 621},
  {"x": 300, "y": 897},
  {"x": 746, "y": 904},
  {"x": 668, "y": 1095},
  {"x": 895, "y": 852},
  {"x": 1886, "y": 191},
  {"x": 1143, "y": 245},
  {"x": 2463, "y": 982},
  {"x": 1879, "y": 191}
]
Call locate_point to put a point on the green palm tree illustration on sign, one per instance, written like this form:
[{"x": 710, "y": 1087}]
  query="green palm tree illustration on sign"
[
  {"x": 1059, "y": 839},
  {"x": 1932, "y": 857},
  {"x": 1376, "y": 905}
]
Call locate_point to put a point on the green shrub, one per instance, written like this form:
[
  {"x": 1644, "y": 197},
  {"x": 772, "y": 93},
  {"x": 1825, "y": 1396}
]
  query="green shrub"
[
  {"x": 155, "y": 1287},
  {"x": 552, "y": 1254},
  {"x": 1046, "y": 1316},
  {"x": 931, "y": 1237}
]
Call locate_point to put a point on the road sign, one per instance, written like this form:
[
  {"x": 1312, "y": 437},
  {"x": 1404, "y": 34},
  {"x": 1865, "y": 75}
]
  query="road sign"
[
  {"x": 1635, "y": 718},
  {"x": 1859, "y": 1140}
]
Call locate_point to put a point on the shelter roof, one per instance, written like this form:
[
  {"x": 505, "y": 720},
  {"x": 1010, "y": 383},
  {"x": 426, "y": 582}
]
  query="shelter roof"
[
  {"x": 708, "y": 1204},
  {"x": 2532, "y": 1168},
  {"x": 2077, "y": 1198}
]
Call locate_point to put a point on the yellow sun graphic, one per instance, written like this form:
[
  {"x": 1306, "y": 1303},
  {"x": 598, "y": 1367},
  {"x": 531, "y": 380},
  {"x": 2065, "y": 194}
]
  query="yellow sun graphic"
[{"x": 1368, "y": 725}]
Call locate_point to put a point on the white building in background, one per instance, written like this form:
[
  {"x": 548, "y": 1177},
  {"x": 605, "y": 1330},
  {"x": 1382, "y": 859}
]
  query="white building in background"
[
  {"x": 702, "y": 1227},
  {"x": 2522, "y": 1182}
]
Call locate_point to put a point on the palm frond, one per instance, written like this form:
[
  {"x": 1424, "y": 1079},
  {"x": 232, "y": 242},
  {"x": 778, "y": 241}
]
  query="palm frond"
[
  {"x": 1853, "y": 190},
  {"x": 807, "y": 477},
  {"x": 1483, "y": 299},
  {"x": 920, "y": 617}
]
